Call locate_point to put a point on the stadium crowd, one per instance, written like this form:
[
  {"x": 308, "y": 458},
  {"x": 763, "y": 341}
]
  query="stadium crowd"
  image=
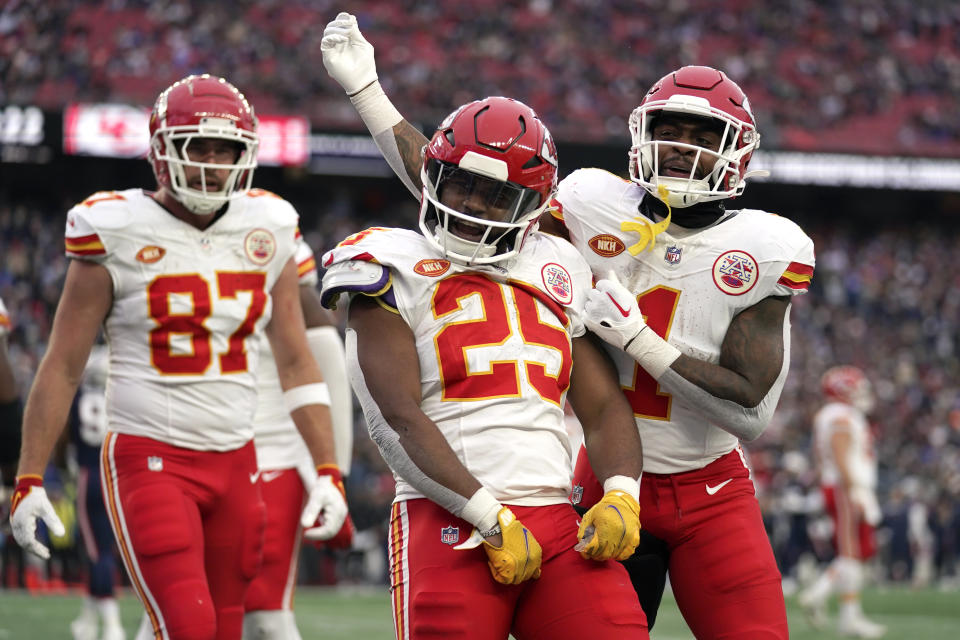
[
  {"x": 859, "y": 76},
  {"x": 887, "y": 302}
]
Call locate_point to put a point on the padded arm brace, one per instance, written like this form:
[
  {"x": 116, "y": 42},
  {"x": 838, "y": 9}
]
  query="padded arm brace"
[
  {"x": 388, "y": 440},
  {"x": 387, "y": 143},
  {"x": 380, "y": 116},
  {"x": 327, "y": 349},
  {"x": 747, "y": 423}
]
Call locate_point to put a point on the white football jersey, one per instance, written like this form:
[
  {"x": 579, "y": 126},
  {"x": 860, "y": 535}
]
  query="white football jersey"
[
  {"x": 189, "y": 306},
  {"x": 690, "y": 284},
  {"x": 494, "y": 348},
  {"x": 5, "y": 324},
  {"x": 861, "y": 461},
  {"x": 278, "y": 443}
]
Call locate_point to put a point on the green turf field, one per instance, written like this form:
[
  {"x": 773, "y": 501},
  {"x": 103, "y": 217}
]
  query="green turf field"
[{"x": 364, "y": 614}]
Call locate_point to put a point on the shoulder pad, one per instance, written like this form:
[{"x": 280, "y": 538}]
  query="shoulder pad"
[{"x": 354, "y": 276}]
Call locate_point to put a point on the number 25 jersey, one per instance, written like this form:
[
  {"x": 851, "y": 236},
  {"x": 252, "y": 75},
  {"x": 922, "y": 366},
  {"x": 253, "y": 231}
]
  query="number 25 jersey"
[
  {"x": 187, "y": 307},
  {"x": 494, "y": 348}
]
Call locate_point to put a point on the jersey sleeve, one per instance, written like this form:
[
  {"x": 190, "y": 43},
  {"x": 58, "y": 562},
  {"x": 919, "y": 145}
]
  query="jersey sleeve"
[
  {"x": 794, "y": 279},
  {"x": 306, "y": 264},
  {"x": 82, "y": 238},
  {"x": 353, "y": 268}
]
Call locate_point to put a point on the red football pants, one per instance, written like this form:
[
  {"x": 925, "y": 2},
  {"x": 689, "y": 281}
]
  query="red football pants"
[
  {"x": 441, "y": 592},
  {"x": 853, "y": 536},
  {"x": 722, "y": 569},
  {"x": 189, "y": 526},
  {"x": 283, "y": 495}
]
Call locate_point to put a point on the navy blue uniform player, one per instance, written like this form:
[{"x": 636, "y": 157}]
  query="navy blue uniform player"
[{"x": 88, "y": 424}]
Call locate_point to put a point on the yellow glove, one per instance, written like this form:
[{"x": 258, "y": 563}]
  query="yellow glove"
[
  {"x": 611, "y": 528},
  {"x": 518, "y": 557}
]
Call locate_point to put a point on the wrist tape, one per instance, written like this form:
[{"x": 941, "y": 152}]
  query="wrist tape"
[
  {"x": 481, "y": 510},
  {"x": 316, "y": 393},
  {"x": 375, "y": 109},
  {"x": 653, "y": 353}
]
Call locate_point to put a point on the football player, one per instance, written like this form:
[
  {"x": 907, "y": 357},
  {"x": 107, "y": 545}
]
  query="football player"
[
  {"x": 463, "y": 342},
  {"x": 9, "y": 406},
  {"x": 185, "y": 281},
  {"x": 286, "y": 470},
  {"x": 693, "y": 296},
  {"x": 88, "y": 426},
  {"x": 848, "y": 477}
]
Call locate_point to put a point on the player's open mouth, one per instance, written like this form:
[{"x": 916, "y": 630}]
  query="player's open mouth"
[
  {"x": 466, "y": 230},
  {"x": 676, "y": 171}
]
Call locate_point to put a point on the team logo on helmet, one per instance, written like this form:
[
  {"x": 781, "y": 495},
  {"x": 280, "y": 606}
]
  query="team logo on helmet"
[
  {"x": 260, "y": 246},
  {"x": 735, "y": 272},
  {"x": 432, "y": 267},
  {"x": 606, "y": 245},
  {"x": 450, "y": 535},
  {"x": 558, "y": 282},
  {"x": 150, "y": 254}
]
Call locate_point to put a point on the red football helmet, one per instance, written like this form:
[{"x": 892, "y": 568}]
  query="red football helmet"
[
  {"x": 707, "y": 93},
  {"x": 849, "y": 385},
  {"x": 494, "y": 163},
  {"x": 202, "y": 106}
]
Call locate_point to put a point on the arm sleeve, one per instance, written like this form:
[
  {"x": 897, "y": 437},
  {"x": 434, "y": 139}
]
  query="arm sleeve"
[
  {"x": 747, "y": 423},
  {"x": 327, "y": 349},
  {"x": 388, "y": 441}
]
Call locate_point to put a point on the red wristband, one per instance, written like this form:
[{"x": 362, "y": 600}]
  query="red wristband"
[{"x": 25, "y": 484}]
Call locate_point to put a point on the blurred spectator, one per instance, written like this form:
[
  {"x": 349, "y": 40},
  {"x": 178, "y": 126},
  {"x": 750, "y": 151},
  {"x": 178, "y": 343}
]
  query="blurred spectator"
[{"x": 868, "y": 76}]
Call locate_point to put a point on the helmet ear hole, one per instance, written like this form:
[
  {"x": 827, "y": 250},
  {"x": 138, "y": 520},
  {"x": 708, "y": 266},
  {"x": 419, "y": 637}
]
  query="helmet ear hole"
[{"x": 448, "y": 134}]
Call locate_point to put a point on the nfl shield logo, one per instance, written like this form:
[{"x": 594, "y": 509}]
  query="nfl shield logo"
[
  {"x": 155, "y": 463},
  {"x": 450, "y": 535},
  {"x": 672, "y": 256},
  {"x": 577, "y": 494}
]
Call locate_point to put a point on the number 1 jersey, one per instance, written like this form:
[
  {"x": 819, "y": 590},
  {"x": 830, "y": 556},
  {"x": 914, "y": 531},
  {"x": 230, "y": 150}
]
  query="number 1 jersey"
[{"x": 690, "y": 284}]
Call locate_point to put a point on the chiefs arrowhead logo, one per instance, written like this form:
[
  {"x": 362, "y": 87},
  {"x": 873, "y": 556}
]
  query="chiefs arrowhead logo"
[
  {"x": 150, "y": 254},
  {"x": 432, "y": 267},
  {"x": 607, "y": 245}
]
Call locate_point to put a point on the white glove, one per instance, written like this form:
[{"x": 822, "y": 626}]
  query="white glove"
[
  {"x": 347, "y": 55},
  {"x": 866, "y": 499},
  {"x": 30, "y": 504},
  {"x": 612, "y": 313},
  {"x": 324, "y": 496}
]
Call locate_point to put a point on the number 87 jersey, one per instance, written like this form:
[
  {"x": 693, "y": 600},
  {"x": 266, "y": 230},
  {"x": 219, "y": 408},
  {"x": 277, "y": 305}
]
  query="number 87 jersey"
[{"x": 187, "y": 304}]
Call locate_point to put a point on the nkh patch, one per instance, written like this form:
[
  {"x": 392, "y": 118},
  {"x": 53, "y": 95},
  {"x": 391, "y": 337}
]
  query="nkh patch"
[
  {"x": 577, "y": 494},
  {"x": 735, "y": 272},
  {"x": 450, "y": 535},
  {"x": 558, "y": 282}
]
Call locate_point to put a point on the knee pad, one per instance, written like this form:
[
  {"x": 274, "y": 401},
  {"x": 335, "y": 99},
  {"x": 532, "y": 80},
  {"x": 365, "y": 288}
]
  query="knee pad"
[
  {"x": 158, "y": 522},
  {"x": 188, "y": 612},
  {"x": 270, "y": 625},
  {"x": 439, "y": 615}
]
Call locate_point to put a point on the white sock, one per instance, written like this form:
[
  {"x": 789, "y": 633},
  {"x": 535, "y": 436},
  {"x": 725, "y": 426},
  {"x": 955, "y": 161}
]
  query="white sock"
[{"x": 109, "y": 611}]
